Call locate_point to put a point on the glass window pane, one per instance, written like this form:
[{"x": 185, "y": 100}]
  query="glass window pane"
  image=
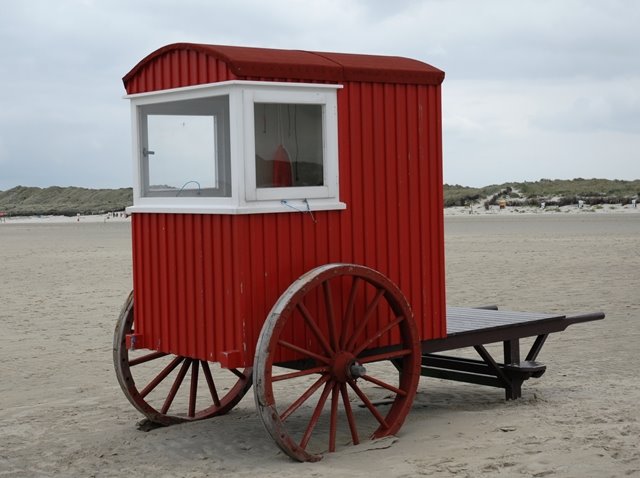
[
  {"x": 186, "y": 148},
  {"x": 184, "y": 152},
  {"x": 289, "y": 145}
]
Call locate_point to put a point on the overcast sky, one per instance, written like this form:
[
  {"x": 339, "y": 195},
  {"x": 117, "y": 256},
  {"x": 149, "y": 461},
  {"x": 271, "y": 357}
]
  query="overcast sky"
[{"x": 533, "y": 89}]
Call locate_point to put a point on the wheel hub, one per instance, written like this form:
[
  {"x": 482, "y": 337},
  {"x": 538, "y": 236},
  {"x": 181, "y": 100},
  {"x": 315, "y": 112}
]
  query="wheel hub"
[
  {"x": 357, "y": 370},
  {"x": 344, "y": 367}
]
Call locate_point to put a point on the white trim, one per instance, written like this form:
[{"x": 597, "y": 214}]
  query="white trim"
[
  {"x": 188, "y": 201},
  {"x": 306, "y": 192},
  {"x": 258, "y": 207},
  {"x": 328, "y": 100},
  {"x": 135, "y": 154},
  {"x": 248, "y": 135},
  {"x": 245, "y": 198},
  {"x": 199, "y": 91},
  {"x": 237, "y": 145}
]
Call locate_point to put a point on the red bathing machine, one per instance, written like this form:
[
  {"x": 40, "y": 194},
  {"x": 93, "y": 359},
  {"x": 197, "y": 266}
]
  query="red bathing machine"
[
  {"x": 288, "y": 233},
  {"x": 207, "y": 273}
]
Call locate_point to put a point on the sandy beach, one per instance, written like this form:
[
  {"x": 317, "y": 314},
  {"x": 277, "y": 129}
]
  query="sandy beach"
[{"x": 62, "y": 412}]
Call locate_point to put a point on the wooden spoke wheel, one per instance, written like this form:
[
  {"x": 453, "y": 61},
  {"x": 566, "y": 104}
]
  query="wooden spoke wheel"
[
  {"x": 168, "y": 388},
  {"x": 324, "y": 370}
]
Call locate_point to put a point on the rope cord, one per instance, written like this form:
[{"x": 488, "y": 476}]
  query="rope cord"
[{"x": 304, "y": 211}]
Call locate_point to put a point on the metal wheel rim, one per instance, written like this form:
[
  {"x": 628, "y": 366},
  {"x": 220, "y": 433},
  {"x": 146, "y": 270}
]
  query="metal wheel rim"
[{"x": 280, "y": 313}]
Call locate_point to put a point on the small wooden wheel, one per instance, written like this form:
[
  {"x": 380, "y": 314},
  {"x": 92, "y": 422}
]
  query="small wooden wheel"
[
  {"x": 332, "y": 322},
  {"x": 157, "y": 399}
]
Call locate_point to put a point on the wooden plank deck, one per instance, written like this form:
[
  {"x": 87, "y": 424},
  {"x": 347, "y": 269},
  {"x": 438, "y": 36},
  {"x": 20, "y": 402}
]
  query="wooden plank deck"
[
  {"x": 469, "y": 327},
  {"x": 462, "y": 320}
]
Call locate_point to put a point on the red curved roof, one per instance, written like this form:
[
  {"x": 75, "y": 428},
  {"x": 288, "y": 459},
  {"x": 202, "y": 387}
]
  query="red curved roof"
[{"x": 299, "y": 65}]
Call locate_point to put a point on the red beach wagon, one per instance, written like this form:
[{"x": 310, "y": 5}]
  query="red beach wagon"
[{"x": 288, "y": 232}]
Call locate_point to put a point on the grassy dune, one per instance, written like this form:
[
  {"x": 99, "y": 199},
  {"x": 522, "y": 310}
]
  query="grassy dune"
[
  {"x": 69, "y": 201},
  {"x": 558, "y": 192}
]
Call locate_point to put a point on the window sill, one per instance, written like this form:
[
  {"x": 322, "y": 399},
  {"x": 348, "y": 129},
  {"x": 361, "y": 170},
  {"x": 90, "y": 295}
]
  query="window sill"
[{"x": 260, "y": 208}]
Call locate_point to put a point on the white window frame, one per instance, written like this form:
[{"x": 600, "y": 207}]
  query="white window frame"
[
  {"x": 326, "y": 99},
  {"x": 218, "y": 170},
  {"x": 245, "y": 197}
]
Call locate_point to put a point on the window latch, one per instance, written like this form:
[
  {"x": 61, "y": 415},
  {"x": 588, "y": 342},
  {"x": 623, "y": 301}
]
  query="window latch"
[{"x": 147, "y": 153}]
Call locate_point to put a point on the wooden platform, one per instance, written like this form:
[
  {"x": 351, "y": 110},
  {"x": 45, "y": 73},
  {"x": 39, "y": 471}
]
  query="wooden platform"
[
  {"x": 467, "y": 327},
  {"x": 461, "y": 320},
  {"x": 477, "y": 327}
]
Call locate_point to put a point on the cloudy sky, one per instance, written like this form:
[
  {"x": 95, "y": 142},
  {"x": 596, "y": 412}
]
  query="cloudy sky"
[{"x": 533, "y": 89}]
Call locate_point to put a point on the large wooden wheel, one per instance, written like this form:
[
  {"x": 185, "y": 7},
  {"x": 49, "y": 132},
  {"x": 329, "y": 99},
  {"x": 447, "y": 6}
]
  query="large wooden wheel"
[
  {"x": 343, "y": 325},
  {"x": 162, "y": 377}
]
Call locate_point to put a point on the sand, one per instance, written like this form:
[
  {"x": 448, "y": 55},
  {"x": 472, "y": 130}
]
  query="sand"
[{"x": 62, "y": 412}]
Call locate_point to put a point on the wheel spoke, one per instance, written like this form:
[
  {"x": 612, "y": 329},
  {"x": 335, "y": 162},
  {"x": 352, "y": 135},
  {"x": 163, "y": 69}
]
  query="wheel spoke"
[
  {"x": 238, "y": 373},
  {"x": 382, "y": 384},
  {"x": 385, "y": 356},
  {"x": 314, "y": 328},
  {"x": 331, "y": 322},
  {"x": 194, "y": 388},
  {"x": 301, "y": 373},
  {"x": 161, "y": 376},
  {"x": 306, "y": 352},
  {"x": 146, "y": 358},
  {"x": 316, "y": 415},
  {"x": 378, "y": 334},
  {"x": 210, "y": 382},
  {"x": 333, "y": 423},
  {"x": 370, "y": 308},
  {"x": 348, "y": 315},
  {"x": 304, "y": 397},
  {"x": 175, "y": 386},
  {"x": 350, "y": 418},
  {"x": 367, "y": 403}
]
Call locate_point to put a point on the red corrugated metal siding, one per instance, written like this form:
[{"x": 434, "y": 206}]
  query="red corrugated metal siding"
[{"x": 189, "y": 283}]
